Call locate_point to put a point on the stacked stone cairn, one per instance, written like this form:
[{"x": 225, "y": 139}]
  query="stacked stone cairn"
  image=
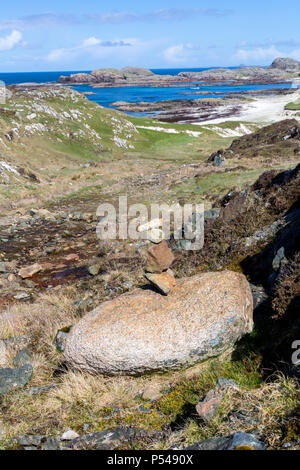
[{"x": 159, "y": 259}]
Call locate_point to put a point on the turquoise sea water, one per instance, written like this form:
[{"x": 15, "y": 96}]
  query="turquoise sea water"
[{"x": 107, "y": 96}]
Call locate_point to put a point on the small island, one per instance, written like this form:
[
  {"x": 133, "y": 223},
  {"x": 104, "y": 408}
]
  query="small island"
[{"x": 281, "y": 70}]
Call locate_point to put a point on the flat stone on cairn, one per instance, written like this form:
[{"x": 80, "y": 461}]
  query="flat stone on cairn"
[{"x": 163, "y": 281}]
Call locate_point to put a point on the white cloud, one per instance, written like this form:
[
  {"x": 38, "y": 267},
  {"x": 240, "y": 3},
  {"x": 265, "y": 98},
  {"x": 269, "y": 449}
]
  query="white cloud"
[
  {"x": 93, "y": 47},
  {"x": 164, "y": 14},
  {"x": 56, "y": 55},
  {"x": 10, "y": 41},
  {"x": 263, "y": 54},
  {"x": 90, "y": 42},
  {"x": 270, "y": 42},
  {"x": 56, "y": 19},
  {"x": 44, "y": 20},
  {"x": 180, "y": 53},
  {"x": 258, "y": 54}
]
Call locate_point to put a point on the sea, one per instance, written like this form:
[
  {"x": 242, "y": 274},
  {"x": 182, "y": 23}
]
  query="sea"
[{"x": 107, "y": 96}]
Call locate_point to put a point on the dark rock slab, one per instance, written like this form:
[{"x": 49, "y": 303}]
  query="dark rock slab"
[
  {"x": 28, "y": 440},
  {"x": 238, "y": 441},
  {"x": 13, "y": 379},
  {"x": 111, "y": 439},
  {"x": 51, "y": 444},
  {"x": 23, "y": 357}
]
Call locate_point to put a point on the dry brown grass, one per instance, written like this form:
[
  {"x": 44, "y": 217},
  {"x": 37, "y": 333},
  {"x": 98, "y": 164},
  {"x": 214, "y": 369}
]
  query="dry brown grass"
[
  {"x": 39, "y": 321},
  {"x": 42, "y": 318},
  {"x": 269, "y": 407},
  {"x": 79, "y": 398}
]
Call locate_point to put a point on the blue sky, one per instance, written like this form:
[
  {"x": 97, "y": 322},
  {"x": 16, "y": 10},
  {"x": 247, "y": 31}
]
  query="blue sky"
[{"x": 76, "y": 35}]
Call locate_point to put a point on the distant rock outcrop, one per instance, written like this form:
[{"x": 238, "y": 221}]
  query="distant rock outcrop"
[
  {"x": 115, "y": 77},
  {"x": 244, "y": 75},
  {"x": 136, "y": 76},
  {"x": 280, "y": 69},
  {"x": 286, "y": 64},
  {"x": 144, "y": 331}
]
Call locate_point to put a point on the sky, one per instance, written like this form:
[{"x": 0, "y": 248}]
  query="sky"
[{"x": 75, "y": 35}]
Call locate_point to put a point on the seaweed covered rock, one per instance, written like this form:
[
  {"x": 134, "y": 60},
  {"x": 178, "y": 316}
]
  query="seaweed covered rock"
[{"x": 143, "y": 331}]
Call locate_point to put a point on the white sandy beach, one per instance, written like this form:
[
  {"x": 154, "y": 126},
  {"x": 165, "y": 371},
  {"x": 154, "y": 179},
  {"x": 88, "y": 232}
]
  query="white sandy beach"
[{"x": 266, "y": 109}]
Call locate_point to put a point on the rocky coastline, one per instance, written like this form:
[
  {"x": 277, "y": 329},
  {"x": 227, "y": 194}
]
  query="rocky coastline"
[
  {"x": 281, "y": 70},
  {"x": 199, "y": 109},
  {"x": 188, "y": 111},
  {"x": 128, "y": 76}
]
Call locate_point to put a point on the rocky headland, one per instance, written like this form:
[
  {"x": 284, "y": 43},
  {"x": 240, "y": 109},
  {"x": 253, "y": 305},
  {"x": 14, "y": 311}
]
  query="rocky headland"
[
  {"x": 281, "y": 70},
  {"x": 128, "y": 76},
  {"x": 180, "y": 110},
  {"x": 286, "y": 64}
]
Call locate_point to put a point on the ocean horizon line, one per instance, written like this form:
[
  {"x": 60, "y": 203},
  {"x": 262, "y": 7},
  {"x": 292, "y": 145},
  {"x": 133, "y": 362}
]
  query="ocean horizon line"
[{"x": 14, "y": 78}]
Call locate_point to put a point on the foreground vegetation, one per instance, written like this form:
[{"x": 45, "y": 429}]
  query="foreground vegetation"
[{"x": 59, "y": 168}]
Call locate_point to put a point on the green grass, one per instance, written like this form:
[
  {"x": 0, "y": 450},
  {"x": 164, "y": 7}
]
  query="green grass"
[
  {"x": 180, "y": 148},
  {"x": 210, "y": 184},
  {"x": 293, "y": 106},
  {"x": 99, "y": 120},
  {"x": 86, "y": 192},
  {"x": 57, "y": 154},
  {"x": 167, "y": 147},
  {"x": 171, "y": 408}
]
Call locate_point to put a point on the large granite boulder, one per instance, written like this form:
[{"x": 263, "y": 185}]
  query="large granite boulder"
[{"x": 144, "y": 331}]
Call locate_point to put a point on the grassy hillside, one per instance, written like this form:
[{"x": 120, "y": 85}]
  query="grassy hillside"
[
  {"x": 54, "y": 141},
  {"x": 56, "y": 145},
  {"x": 293, "y": 106}
]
